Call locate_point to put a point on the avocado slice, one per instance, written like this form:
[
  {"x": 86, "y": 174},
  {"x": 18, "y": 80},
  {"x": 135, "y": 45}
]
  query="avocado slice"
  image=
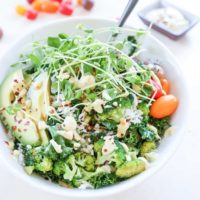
[
  {"x": 23, "y": 128},
  {"x": 39, "y": 94}
]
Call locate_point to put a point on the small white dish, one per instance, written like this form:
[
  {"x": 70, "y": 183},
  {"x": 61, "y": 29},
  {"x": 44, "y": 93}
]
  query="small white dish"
[{"x": 156, "y": 52}]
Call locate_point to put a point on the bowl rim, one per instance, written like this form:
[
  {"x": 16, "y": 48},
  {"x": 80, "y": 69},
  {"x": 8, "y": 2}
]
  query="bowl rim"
[{"x": 110, "y": 190}]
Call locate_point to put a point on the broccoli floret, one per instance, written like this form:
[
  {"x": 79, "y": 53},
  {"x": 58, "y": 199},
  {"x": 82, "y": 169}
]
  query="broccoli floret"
[
  {"x": 130, "y": 168},
  {"x": 144, "y": 108},
  {"x": 147, "y": 147},
  {"x": 116, "y": 113},
  {"x": 116, "y": 158},
  {"x": 120, "y": 154},
  {"x": 132, "y": 137},
  {"x": 36, "y": 158},
  {"x": 160, "y": 124},
  {"x": 59, "y": 167},
  {"x": 98, "y": 145},
  {"x": 103, "y": 179},
  {"x": 85, "y": 160},
  {"x": 45, "y": 165},
  {"x": 70, "y": 168},
  {"x": 66, "y": 168},
  {"x": 53, "y": 155},
  {"x": 82, "y": 175}
]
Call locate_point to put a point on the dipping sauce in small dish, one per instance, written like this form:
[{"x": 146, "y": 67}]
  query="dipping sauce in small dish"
[{"x": 169, "y": 17}]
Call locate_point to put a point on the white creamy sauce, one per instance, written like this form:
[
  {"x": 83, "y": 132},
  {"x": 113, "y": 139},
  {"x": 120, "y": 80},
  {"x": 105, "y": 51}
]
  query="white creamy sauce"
[{"x": 169, "y": 17}]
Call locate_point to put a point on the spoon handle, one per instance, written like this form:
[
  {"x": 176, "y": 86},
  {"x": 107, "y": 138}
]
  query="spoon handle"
[{"x": 131, "y": 4}]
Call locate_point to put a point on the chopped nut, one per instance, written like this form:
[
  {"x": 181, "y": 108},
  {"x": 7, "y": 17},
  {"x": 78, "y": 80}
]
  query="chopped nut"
[
  {"x": 85, "y": 81},
  {"x": 122, "y": 128},
  {"x": 56, "y": 146},
  {"x": 66, "y": 134},
  {"x": 109, "y": 145},
  {"x": 70, "y": 123},
  {"x": 98, "y": 105}
]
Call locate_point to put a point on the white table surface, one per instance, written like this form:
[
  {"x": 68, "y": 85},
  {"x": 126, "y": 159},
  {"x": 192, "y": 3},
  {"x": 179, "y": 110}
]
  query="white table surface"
[{"x": 180, "y": 178}]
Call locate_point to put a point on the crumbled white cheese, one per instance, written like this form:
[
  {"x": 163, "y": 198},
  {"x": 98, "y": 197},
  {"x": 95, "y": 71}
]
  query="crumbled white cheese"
[
  {"x": 98, "y": 105},
  {"x": 135, "y": 116},
  {"x": 104, "y": 168},
  {"x": 70, "y": 123},
  {"x": 86, "y": 185},
  {"x": 56, "y": 146},
  {"x": 122, "y": 128},
  {"x": 109, "y": 145},
  {"x": 42, "y": 125}
]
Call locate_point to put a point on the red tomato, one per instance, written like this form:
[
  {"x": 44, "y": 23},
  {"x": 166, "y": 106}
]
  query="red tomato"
[
  {"x": 50, "y": 6},
  {"x": 59, "y": 1},
  {"x": 165, "y": 85},
  {"x": 66, "y": 9},
  {"x": 157, "y": 91},
  {"x": 30, "y": 1},
  {"x": 164, "y": 106},
  {"x": 31, "y": 14}
]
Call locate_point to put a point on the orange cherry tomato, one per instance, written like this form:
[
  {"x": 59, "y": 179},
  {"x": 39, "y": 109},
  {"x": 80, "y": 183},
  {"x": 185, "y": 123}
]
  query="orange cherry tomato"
[
  {"x": 21, "y": 10},
  {"x": 164, "y": 106},
  {"x": 50, "y": 6},
  {"x": 79, "y": 2},
  {"x": 165, "y": 85},
  {"x": 37, "y": 5}
]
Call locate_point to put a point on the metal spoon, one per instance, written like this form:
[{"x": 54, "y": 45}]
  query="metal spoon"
[{"x": 127, "y": 11}]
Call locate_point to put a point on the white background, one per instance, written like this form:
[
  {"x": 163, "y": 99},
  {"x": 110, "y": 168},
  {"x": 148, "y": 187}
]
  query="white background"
[{"x": 180, "y": 178}]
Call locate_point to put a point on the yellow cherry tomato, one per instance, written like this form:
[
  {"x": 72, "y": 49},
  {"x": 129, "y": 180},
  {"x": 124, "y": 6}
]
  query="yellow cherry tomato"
[
  {"x": 21, "y": 10},
  {"x": 164, "y": 106}
]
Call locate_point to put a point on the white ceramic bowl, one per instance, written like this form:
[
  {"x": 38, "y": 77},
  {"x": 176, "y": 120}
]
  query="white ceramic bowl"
[{"x": 156, "y": 51}]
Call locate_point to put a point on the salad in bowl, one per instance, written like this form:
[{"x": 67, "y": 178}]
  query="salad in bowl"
[{"x": 85, "y": 113}]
